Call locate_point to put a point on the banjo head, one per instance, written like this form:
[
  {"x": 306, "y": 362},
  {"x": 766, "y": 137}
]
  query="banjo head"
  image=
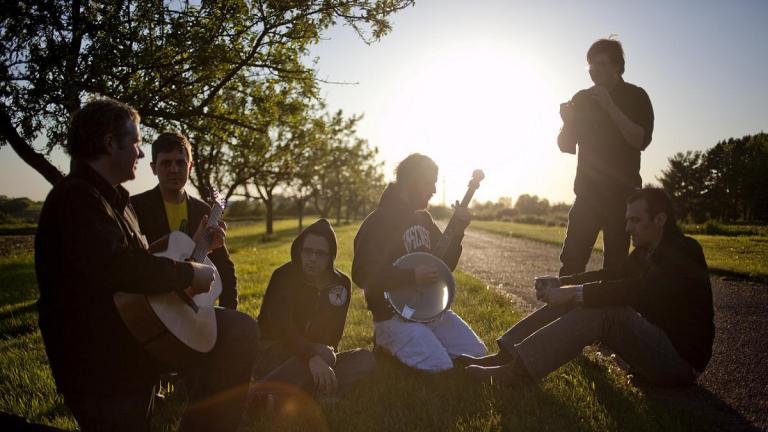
[{"x": 423, "y": 303}]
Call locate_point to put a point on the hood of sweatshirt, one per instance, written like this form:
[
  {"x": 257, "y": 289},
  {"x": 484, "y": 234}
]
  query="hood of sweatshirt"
[{"x": 321, "y": 228}]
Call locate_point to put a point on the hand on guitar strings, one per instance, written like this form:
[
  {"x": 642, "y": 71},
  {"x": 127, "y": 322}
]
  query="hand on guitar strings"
[
  {"x": 201, "y": 280},
  {"x": 323, "y": 376},
  {"x": 461, "y": 215},
  {"x": 216, "y": 234},
  {"x": 425, "y": 274}
]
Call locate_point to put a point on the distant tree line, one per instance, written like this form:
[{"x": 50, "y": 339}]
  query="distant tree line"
[{"x": 725, "y": 183}]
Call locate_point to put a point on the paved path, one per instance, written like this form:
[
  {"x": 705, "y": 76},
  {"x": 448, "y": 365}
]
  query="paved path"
[{"x": 735, "y": 385}]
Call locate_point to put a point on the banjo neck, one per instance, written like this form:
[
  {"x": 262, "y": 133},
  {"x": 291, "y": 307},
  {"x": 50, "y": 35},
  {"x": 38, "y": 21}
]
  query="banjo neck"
[{"x": 452, "y": 231}]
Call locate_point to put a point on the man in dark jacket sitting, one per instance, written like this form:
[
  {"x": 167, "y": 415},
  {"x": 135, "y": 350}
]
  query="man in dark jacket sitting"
[
  {"x": 655, "y": 311},
  {"x": 302, "y": 320}
]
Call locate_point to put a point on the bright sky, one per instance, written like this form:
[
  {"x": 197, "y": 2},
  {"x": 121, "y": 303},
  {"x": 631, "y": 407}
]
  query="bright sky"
[{"x": 478, "y": 84}]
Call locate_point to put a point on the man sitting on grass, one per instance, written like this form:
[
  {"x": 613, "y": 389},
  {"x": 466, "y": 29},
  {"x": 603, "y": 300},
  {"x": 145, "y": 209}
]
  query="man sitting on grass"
[
  {"x": 302, "y": 320},
  {"x": 655, "y": 311}
]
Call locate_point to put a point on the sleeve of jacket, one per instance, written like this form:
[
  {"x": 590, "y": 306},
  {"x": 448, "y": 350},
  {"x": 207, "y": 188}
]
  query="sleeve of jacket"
[
  {"x": 659, "y": 282},
  {"x": 96, "y": 248},
  {"x": 226, "y": 268},
  {"x": 642, "y": 114},
  {"x": 276, "y": 316},
  {"x": 342, "y": 321},
  {"x": 372, "y": 267}
]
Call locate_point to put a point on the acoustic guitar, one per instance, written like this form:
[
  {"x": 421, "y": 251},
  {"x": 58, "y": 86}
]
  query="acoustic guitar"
[{"x": 174, "y": 327}]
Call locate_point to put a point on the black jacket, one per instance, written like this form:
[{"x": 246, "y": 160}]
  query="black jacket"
[
  {"x": 297, "y": 313},
  {"x": 88, "y": 246},
  {"x": 607, "y": 164},
  {"x": 670, "y": 288},
  {"x": 153, "y": 221},
  {"x": 389, "y": 232}
]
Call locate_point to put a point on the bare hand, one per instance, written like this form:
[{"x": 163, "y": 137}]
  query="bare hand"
[
  {"x": 601, "y": 95},
  {"x": 557, "y": 296},
  {"x": 462, "y": 215},
  {"x": 201, "y": 280},
  {"x": 567, "y": 112},
  {"x": 425, "y": 274},
  {"x": 216, "y": 233},
  {"x": 323, "y": 376}
]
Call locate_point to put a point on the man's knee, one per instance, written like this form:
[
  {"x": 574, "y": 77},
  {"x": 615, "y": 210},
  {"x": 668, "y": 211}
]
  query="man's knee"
[
  {"x": 325, "y": 352},
  {"x": 239, "y": 332}
]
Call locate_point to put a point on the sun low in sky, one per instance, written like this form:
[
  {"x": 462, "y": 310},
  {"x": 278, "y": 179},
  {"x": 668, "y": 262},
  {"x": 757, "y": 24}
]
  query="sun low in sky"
[{"x": 488, "y": 108}]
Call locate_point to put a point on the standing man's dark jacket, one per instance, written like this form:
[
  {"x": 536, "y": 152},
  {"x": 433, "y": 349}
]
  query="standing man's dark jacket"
[
  {"x": 153, "y": 220},
  {"x": 389, "y": 232},
  {"x": 607, "y": 164},
  {"x": 89, "y": 246},
  {"x": 297, "y": 313},
  {"x": 670, "y": 288}
]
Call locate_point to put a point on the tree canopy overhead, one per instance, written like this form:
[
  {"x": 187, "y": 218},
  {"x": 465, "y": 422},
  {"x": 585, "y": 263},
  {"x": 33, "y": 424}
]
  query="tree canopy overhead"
[{"x": 173, "y": 61}]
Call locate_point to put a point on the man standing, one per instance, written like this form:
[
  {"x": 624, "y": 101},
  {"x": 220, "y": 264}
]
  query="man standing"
[
  {"x": 611, "y": 123},
  {"x": 302, "y": 320},
  {"x": 400, "y": 225},
  {"x": 88, "y": 246},
  {"x": 168, "y": 207},
  {"x": 655, "y": 311}
]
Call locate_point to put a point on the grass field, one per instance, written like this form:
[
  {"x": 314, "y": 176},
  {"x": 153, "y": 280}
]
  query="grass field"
[
  {"x": 742, "y": 255},
  {"x": 589, "y": 393}
]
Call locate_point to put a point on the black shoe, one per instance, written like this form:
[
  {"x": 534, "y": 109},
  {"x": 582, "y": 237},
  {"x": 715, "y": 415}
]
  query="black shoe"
[
  {"x": 512, "y": 374},
  {"x": 498, "y": 359}
]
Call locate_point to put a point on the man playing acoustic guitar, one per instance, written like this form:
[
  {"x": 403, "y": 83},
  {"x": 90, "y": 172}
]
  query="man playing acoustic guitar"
[{"x": 88, "y": 247}]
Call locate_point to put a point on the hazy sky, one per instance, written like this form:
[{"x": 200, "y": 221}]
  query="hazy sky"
[{"x": 477, "y": 84}]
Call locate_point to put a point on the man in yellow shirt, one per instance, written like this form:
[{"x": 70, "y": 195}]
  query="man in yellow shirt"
[{"x": 168, "y": 207}]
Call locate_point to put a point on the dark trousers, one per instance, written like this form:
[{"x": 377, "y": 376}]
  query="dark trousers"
[
  {"x": 281, "y": 372},
  {"x": 219, "y": 386},
  {"x": 587, "y": 217}
]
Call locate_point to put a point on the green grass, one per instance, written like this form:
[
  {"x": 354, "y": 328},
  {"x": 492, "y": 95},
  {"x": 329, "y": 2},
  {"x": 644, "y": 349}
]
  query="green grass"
[
  {"x": 586, "y": 394},
  {"x": 740, "y": 255}
]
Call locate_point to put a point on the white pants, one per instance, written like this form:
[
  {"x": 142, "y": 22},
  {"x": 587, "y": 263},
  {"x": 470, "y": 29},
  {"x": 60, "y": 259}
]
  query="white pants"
[{"x": 428, "y": 347}]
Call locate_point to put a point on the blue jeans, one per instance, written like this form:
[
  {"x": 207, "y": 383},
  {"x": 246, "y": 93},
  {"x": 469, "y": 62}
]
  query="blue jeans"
[{"x": 553, "y": 335}]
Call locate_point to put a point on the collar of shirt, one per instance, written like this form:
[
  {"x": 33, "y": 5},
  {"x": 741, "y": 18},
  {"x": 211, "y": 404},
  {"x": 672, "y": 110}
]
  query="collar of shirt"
[{"x": 117, "y": 196}]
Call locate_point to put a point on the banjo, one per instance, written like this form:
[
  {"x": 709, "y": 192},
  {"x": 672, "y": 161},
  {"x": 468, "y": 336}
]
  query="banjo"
[
  {"x": 427, "y": 302},
  {"x": 174, "y": 327}
]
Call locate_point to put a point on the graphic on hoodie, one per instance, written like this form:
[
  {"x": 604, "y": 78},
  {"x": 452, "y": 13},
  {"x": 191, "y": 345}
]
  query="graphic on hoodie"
[
  {"x": 416, "y": 238},
  {"x": 337, "y": 295}
]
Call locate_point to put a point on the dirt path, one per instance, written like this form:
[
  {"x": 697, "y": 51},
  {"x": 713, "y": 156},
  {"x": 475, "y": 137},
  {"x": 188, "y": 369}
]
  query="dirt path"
[{"x": 735, "y": 385}]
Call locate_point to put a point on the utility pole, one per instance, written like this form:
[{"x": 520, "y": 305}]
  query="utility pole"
[{"x": 444, "y": 202}]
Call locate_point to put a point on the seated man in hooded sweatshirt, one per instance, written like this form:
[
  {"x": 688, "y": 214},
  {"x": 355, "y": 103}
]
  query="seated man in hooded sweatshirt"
[{"x": 302, "y": 319}]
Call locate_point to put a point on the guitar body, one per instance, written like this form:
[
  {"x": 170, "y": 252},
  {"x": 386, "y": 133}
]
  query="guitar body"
[{"x": 164, "y": 324}]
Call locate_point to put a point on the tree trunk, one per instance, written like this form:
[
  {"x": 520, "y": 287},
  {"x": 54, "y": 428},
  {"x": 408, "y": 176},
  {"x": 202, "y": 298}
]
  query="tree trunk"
[
  {"x": 26, "y": 152},
  {"x": 300, "y": 204},
  {"x": 268, "y": 202}
]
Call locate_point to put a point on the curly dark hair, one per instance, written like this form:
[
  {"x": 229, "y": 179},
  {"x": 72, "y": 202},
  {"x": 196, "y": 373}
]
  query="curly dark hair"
[{"x": 91, "y": 124}]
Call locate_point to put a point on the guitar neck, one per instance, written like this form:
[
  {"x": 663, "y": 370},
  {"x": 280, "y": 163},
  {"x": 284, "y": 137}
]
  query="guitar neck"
[
  {"x": 451, "y": 231},
  {"x": 201, "y": 247}
]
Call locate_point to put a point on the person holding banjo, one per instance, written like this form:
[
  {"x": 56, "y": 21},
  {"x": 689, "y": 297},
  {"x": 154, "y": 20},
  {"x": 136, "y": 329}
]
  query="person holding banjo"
[{"x": 402, "y": 227}]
